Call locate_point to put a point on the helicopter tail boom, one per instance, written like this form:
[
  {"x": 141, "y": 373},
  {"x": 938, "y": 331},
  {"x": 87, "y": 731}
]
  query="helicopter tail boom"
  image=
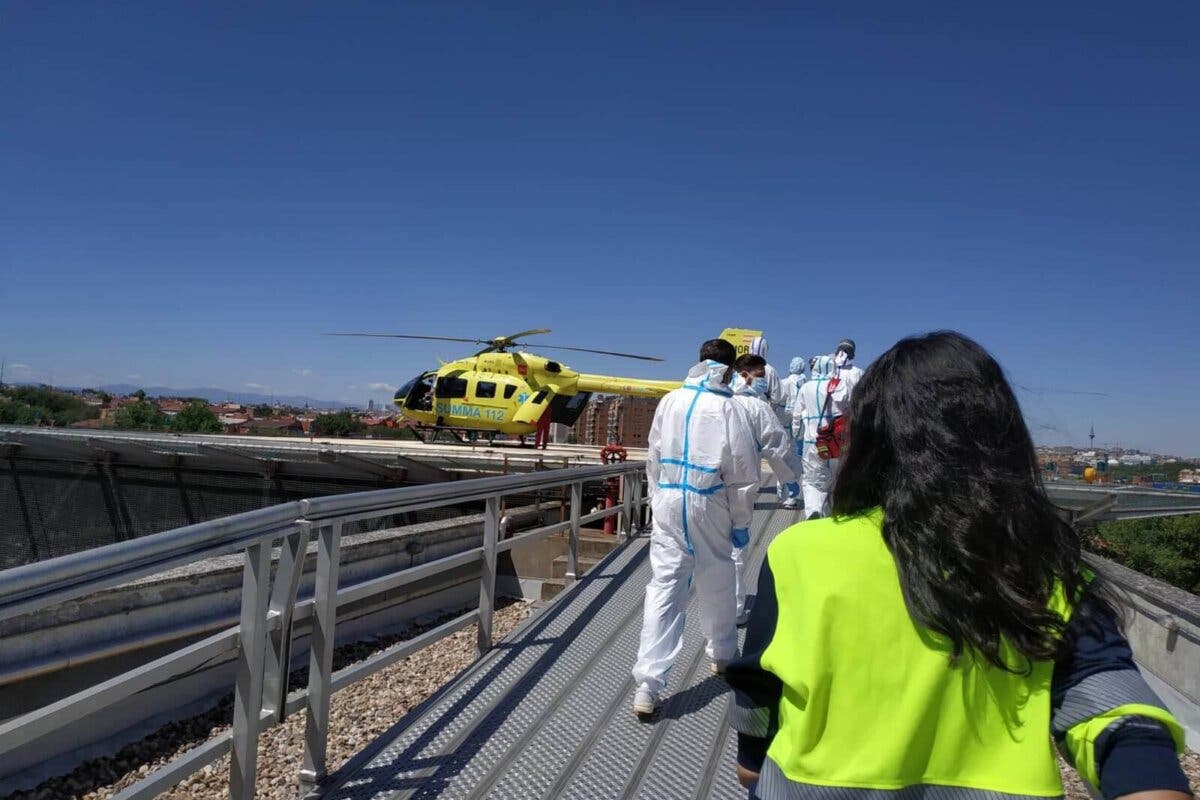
[{"x": 634, "y": 387}]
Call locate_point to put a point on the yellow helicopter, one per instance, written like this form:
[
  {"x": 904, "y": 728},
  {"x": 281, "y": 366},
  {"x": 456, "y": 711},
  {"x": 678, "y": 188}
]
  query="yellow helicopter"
[{"x": 502, "y": 389}]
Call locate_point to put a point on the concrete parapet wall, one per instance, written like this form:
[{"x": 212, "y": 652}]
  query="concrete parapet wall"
[{"x": 1163, "y": 626}]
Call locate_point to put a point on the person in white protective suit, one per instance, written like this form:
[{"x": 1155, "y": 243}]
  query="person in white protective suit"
[
  {"x": 751, "y": 382},
  {"x": 774, "y": 395},
  {"x": 703, "y": 471},
  {"x": 773, "y": 443},
  {"x": 843, "y": 358},
  {"x": 822, "y": 397},
  {"x": 790, "y": 389},
  {"x": 791, "y": 396}
]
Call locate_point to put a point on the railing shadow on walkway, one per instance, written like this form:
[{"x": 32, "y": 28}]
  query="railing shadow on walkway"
[{"x": 447, "y": 765}]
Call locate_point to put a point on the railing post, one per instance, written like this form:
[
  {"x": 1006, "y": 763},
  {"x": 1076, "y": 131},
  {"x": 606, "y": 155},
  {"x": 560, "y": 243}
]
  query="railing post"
[
  {"x": 487, "y": 575},
  {"x": 282, "y": 604},
  {"x": 248, "y": 694},
  {"x": 573, "y": 544},
  {"x": 642, "y": 485},
  {"x": 320, "y": 662},
  {"x": 628, "y": 482},
  {"x": 648, "y": 491}
]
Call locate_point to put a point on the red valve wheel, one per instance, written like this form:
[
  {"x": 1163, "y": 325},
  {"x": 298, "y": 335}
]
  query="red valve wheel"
[{"x": 613, "y": 453}]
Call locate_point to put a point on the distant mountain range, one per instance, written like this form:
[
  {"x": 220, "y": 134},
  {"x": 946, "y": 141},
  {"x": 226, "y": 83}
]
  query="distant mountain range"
[{"x": 226, "y": 395}]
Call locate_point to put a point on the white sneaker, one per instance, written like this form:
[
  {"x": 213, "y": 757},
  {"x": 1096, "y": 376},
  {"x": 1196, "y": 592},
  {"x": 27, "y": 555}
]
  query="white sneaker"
[
  {"x": 789, "y": 503},
  {"x": 644, "y": 702}
]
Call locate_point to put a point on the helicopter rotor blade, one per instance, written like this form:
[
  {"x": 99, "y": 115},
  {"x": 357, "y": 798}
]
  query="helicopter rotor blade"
[
  {"x": 499, "y": 343},
  {"x": 601, "y": 352},
  {"x": 410, "y": 336},
  {"x": 522, "y": 334}
]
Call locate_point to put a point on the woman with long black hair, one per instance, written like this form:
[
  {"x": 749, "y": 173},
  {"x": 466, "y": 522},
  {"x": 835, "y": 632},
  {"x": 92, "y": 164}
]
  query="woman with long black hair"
[{"x": 931, "y": 638}]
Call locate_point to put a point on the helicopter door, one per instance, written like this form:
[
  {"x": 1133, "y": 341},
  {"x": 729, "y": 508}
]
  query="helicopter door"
[
  {"x": 450, "y": 400},
  {"x": 488, "y": 392},
  {"x": 565, "y": 410},
  {"x": 532, "y": 409}
]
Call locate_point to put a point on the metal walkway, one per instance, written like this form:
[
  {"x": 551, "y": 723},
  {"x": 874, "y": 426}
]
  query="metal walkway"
[{"x": 547, "y": 713}]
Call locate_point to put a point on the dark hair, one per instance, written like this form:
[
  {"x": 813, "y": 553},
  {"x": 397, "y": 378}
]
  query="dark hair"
[
  {"x": 718, "y": 350},
  {"x": 748, "y": 362},
  {"x": 938, "y": 440}
]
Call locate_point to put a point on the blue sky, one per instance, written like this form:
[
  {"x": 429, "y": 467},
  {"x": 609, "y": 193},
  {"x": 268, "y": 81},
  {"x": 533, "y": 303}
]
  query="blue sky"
[{"x": 193, "y": 192}]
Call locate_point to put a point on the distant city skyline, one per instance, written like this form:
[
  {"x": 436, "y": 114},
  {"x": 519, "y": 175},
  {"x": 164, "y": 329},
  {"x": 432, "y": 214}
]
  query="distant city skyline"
[
  {"x": 195, "y": 193},
  {"x": 384, "y": 404}
]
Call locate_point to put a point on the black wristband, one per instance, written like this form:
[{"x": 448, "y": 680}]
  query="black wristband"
[{"x": 1138, "y": 755}]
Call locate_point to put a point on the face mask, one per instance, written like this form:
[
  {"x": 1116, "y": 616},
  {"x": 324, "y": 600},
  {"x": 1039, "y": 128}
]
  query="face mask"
[
  {"x": 841, "y": 358},
  {"x": 759, "y": 386}
]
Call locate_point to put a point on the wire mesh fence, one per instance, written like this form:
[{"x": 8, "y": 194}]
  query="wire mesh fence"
[{"x": 51, "y": 508}]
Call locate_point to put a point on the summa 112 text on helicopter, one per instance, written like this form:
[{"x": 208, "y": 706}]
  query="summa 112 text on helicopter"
[{"x": 502, "y": 389}]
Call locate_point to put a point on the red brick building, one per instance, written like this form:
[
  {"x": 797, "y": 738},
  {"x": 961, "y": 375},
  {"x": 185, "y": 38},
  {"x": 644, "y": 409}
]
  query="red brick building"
[{"x": 614, "y": 419}]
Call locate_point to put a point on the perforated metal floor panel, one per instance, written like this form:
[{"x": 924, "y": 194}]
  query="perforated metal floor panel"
[{"x": 547, "y": 713}]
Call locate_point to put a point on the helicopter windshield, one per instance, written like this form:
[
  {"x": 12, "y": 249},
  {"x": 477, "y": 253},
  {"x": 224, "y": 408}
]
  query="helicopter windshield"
[
  {"x": 417, "y": 393},
  {"x": 403, "y": 391}
]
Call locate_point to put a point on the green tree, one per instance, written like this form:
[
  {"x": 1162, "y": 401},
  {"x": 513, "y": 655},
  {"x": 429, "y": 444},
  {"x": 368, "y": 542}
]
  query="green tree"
[
  {"x": 1166, "y": 548},
  {"x": 140, "y": 394},
  {"x": 13, "y": 412},
  {"x": 196, "y": 417},
  {"x": 342, "y": 423},
  {"x": 1170, "y": 471},
  {"x": 139, "y": 416},
  {"x": 263, "y": 410},
  {"x": 41, "y": 405}
]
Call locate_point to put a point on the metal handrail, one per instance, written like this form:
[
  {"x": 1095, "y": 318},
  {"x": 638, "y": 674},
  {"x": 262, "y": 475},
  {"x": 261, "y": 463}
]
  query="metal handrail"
[
  {"x": 262, "y": 639},
  {"x": 1108, "y": 501},
  {"x": 32, "y": 586},
  {"x": 1125, "y": 490},
  {"x": 42, "y": 583},
  {"x": 406, "y": 497}
]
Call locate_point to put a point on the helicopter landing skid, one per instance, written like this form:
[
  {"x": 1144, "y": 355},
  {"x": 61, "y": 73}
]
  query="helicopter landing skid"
[{"x": 430, "y": 434}]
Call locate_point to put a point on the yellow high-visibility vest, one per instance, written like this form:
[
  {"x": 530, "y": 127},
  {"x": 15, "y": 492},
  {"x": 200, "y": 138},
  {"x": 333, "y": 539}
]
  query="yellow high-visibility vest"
[{"x": 871, "y": 699}]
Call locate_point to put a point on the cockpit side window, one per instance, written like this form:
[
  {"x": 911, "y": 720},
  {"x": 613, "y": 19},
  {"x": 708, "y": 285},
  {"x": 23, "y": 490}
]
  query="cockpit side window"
[
  {"x": 419, "y": 397},
  {"x": 449, "y": 388}
]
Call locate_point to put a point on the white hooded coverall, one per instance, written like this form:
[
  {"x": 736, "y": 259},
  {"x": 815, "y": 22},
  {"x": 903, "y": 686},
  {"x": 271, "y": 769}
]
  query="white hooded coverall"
[
  {"x": 772, "y": 443},
  {"x": 758, "y": 347},
  {"x": 790, "y": 391},
  {"x": 850, "y": 376},
  {"x": 774, "y": 396},
  {"x": 791, "y": 397},
  {"x": 818, "y": 474},
  {"x": 703, "y": 470}
]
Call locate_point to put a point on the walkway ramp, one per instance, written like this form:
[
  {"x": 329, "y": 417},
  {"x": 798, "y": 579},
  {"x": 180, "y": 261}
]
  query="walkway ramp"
[{"x": 547, "y": 713}]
